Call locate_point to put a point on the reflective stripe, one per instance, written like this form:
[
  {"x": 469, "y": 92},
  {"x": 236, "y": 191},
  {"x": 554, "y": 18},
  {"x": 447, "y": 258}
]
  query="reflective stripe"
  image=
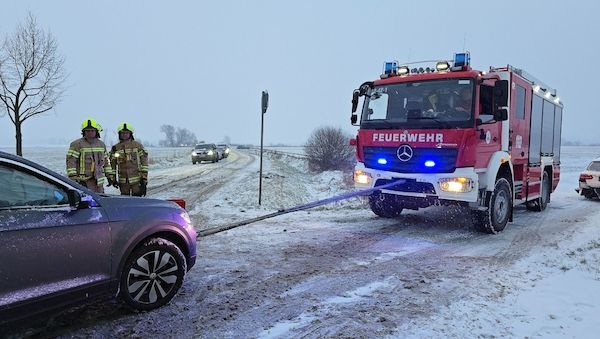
[
  {"x": 73, "y": 153},
  {"x": 71, "y": 171},
  {"x": 132, "y": 180},
  {"x": 100, "y": 180}
]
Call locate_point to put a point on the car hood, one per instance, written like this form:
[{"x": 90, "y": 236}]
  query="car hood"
[{"x": 120, "y": 201}]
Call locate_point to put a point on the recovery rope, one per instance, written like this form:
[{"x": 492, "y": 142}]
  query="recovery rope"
[{"x": 221, "y": 228}]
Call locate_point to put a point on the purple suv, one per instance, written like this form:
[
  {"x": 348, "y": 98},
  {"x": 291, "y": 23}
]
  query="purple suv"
[{"x": 61, "y": 244}]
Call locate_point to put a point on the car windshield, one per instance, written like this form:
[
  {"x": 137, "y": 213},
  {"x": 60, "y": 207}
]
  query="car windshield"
[
  {"x": 204, "y": 146},
  {"x": 424, "y": 104},
  {"x": 594, "y": 166}
]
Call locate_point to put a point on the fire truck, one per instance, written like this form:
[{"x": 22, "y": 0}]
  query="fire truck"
[{"x": 440, "y": 133}]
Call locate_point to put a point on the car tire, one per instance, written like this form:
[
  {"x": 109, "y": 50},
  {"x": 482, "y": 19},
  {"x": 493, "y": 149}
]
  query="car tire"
[
  {"x": 152, "y": 274},
  {"x": 193, "y": 162},
  {"x": 499, "y": 209},
  {"x": 542, "y": 201},
  {"x": 384, "y": 205}
]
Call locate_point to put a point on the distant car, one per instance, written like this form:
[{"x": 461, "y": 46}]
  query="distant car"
[
  {"x": 205, "y": 152},
  {"x": 223, "y": 150},
  {"x": 243, "y": 147},
  {"x": 589, "y": 180},
  {"x": 62, "y": 244}
]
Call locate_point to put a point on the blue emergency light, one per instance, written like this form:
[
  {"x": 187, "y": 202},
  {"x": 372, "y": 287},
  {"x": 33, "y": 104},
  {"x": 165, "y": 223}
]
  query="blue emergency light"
[
  {"x": 461, "y": 59},
  {"x": 382, "y": 161},
  {"x": 390, "y": 67},
  {"x": 429, "y": 163}
]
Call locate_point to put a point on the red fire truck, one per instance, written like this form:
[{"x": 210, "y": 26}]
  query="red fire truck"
[{"x": 448, "y": 134}]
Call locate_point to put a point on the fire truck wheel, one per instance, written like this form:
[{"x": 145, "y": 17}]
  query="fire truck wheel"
[
  {"x": 540, "y": 203},
  {"x": 495, "y": 218},
  {"x": 384, "y": 205}
]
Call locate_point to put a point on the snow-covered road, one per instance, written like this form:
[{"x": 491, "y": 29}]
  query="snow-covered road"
[{"x": 339, "y": 271}]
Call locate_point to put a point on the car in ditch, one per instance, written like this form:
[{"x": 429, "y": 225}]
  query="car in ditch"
[
  {"x": 62, "y": 244},
  {"x": 589, "y": 180},
  {"x": 223, "y": 150},
  {"x": 205, "y": 152}
]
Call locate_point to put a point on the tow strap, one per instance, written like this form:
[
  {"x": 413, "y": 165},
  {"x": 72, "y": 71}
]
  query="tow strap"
[{"x": 317, "y": 203}]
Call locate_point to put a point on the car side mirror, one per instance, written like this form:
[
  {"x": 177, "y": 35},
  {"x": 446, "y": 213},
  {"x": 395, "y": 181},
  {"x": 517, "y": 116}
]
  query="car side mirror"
[
  {"x": 76, "y": 201},
  {"x": 353, "y": 119}
]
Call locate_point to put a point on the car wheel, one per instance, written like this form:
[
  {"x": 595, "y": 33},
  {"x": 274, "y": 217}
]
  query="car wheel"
[
  {"x": 499, "y": 209},
  {"x": 193, "y": 162},
  {"x": 152, "y": 274}
]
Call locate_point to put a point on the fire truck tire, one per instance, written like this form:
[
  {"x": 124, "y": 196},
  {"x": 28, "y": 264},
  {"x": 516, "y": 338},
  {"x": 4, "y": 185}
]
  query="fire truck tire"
[
  {"x": 500, "y": 205},
  {"x": 540, "y": 203},
  {"x": 384, "y": 205}
]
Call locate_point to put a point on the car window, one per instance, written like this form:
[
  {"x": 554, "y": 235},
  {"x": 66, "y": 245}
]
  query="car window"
[
  {"x": 23, "y": 189},
  {"x": 594, "y": 166}
]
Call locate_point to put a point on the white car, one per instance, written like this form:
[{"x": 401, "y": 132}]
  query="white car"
[{"x": 589, "y": 180}]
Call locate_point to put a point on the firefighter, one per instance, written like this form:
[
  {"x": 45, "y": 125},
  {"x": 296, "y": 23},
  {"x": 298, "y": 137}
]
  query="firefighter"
[
  {"x": 87, "y": 159},
  {"x": 129, "y": 161}
]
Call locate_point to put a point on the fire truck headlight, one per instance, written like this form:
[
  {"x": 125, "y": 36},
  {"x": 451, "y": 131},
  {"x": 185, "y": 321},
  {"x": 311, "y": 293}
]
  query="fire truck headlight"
[
  {"x": 382, "y": 161},
  {"x": 361, "y": 177},
  {"x": 403, "y": 70},
  {"x": 456, "y": 185}
]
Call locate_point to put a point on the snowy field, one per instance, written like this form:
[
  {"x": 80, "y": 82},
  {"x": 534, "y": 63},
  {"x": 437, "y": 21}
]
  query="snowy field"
[{"x": 339, "y": 271}]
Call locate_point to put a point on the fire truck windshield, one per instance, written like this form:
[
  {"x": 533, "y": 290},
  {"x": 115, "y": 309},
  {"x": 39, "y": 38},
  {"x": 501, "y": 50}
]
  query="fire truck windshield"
[{"x": 444, "y": 103}]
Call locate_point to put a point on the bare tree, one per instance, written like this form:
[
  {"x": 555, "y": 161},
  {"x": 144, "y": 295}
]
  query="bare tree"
[
  {"x": 31, "y": 74},
  {"x": 328, "y": 148},
  {"x": 185, "y": 137},
  {"x": 169, "y": 132}
]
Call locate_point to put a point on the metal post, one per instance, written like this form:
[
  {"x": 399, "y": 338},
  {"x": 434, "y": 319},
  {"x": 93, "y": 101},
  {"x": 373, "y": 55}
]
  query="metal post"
[
  {"x": 264, "y": 104},
  {"x": 262, "y": 124}
]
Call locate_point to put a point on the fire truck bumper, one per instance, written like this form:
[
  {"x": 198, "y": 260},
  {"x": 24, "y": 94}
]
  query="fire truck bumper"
[{"x": 459, "y": 186}]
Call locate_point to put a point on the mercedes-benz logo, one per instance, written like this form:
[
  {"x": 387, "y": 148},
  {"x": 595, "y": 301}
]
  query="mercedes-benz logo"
[{"x": 404, "y": 153}]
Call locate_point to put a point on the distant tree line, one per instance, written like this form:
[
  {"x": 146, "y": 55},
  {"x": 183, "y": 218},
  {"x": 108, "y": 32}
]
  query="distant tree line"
[{"x": 175, "y": 137}]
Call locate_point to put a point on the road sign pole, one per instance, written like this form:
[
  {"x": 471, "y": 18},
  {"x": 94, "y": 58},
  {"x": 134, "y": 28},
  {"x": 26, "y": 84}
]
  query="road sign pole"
[{"x": 264, "y": 106}]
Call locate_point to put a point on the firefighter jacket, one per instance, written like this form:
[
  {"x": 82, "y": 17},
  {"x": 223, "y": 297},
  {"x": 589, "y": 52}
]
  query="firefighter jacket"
[
  {"x": 129, "y": 161},
  {"x": 88, "y": 160}
]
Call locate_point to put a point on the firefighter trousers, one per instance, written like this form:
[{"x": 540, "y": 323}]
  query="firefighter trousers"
[
  {"x": 93, "y": 185},
  {"x": 130, "y": 189}
]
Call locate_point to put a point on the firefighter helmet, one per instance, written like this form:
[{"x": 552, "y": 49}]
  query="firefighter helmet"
[
  {"x": 125, "y": 127},
  {"x": 91, "y": 123}
]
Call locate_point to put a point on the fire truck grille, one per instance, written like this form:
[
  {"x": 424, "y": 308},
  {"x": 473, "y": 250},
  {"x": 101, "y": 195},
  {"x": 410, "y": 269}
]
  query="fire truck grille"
[
  {"x": 440, "y": 160},
  {"x": 408, "y": 185}
]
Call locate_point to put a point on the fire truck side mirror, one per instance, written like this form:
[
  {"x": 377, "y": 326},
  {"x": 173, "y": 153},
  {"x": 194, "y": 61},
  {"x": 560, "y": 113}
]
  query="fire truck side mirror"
[
  {"x": 501, "y": 114},
  {"x": 355, "y": 96},
  {"x": 501, "y": 93},
  {"x": 353, "y": 119}
]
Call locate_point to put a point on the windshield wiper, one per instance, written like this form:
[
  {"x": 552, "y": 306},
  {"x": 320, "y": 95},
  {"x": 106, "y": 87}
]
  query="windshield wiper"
[{"x": 443, "y": 123}]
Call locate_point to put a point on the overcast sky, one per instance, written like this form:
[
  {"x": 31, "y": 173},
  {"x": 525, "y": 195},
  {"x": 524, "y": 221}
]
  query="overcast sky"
[{"x": 202, "y": 65}]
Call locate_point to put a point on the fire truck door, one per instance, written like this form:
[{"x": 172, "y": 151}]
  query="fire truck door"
[{"x": 520, "y": 115}]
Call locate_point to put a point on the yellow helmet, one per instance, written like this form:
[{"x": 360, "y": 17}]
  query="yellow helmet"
[
  {"x": 125, "y": 127},
  {"x": 91, "y": 123}
]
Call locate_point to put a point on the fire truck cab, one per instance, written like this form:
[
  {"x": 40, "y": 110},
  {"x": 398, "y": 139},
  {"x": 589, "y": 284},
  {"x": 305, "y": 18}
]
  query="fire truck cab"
[{"x": 448, "y": 134}]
